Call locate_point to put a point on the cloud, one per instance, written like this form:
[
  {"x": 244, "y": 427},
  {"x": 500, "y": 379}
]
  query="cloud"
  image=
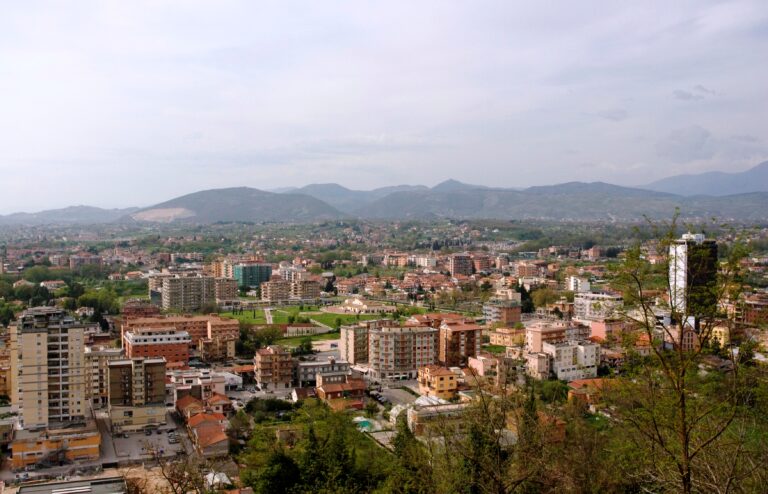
[
  {"x": 697, "y": 93},
  {"x": 688, "y": 144},
  {"x": 684, "y": 95},
  {"x": 615, "y": 115}
]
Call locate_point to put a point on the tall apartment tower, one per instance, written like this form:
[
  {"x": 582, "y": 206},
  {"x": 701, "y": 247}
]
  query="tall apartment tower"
[
  {"x": 693, "y": 276},
  {"x": 188, "y": 294},
  {"x": 48, "y": 368},
  {"x": 460, "y": 264}
]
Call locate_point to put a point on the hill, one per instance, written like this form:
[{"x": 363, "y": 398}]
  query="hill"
[
  {"x": 238, "y": 204},
  {"x": 715, "y": 183},
  {"x": 349, "y": 200},
  {"x": 570, "y": 201},
  {"x": 73, "y": 215}
]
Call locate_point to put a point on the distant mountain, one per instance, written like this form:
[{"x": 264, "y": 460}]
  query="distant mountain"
[
  {"x": 73, "y": 215},
  {"x": 452, "y": 185},
  {"x": 715, "y": 183},
  {"x": 570, "y": 201},
  {"x": 239, "y": 204},
  {"x": 349, "y": 200}
]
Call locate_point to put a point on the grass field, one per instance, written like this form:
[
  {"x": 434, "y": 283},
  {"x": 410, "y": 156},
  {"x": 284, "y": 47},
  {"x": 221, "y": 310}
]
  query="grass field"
[
  {"x": 296, "y": 340},
  {"x": 497, "y": 349},
  {"x": 248, "y": 316}
]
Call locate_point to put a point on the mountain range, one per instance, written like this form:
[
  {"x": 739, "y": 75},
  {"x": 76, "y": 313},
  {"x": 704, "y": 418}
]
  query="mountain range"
[
  {"x": 715, "y": 183},
  {"x": 726, "y": 196}
]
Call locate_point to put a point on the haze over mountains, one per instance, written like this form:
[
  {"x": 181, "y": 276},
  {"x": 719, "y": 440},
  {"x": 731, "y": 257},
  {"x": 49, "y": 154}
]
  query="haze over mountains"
[
  {"x": 715, "y": 183},
  {"x": 727, "y": 196}
]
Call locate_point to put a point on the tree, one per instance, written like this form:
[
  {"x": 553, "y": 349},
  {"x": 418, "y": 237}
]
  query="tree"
[{"x": 677, "y": 418}]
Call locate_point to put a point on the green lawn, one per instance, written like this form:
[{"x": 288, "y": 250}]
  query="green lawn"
[
  {"x": 248, "y": 316},
  {"x": 296, "y": 340},
  {"x": 497, "y": 349}
]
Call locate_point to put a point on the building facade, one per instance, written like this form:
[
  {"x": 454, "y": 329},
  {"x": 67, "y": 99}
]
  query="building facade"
[{"x": 136, "y": 393}]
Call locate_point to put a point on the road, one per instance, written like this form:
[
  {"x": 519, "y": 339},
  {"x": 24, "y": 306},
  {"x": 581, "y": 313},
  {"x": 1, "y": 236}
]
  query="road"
[{"x": 268, "y": 314}]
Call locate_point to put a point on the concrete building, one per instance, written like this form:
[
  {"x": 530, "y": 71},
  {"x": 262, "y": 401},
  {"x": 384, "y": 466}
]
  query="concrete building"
[
  {"x": 571, "y": 360},
  {"x": 595, "y": 306},
  {"x": 460, "y": 264},
  {"x": 353, "y": 343},
  {"x": 577, "y": 284},
  {"x": 542, "y": 332},
  {"x": 251, "y": 275},
  {"x": 693, "y": 277},
  {"x": 438, "y": 381},
  {"x": 198, "y": 327},
  {"x": 507, "y": 337},
  {"x": 308, "y": 372},
  {"x": 273, "y": 367},
  {"x": 217, "y": 349},
  {"x": 275, "y": 291},
  {"x": 168, "y": 343},
  {"x": 76, "y": 262},
  {"x": 305, "y": 290},
  {"x": 49, "y": 380},
  {"x": 187, "y": 294},
  {"x": 506, "y": 312},
  {"x": 136, "y": 393},
  {"x": 97, "y": 361},
  {"x": 225, "y": 289},
  {"x": 458, "y": 340},
  {"x": 398, "y": 352},
  {"x": 48, "y": 369},
  {"x": 106, "y": 485}
]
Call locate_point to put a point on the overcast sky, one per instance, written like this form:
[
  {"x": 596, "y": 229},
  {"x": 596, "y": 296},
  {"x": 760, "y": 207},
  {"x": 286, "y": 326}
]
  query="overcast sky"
[{"x": 129, "y": 103}]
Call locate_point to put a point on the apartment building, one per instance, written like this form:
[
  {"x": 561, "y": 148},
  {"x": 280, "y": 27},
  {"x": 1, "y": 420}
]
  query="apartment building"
[
  {"x": 225, "y": 289},
  {"x": 397, "y": 352},
  {"x": 251, "y": 275},
  {"x": 540, "y": 332},
  {"x": 595, "y": 306},
  {"x": 48, "y": 369},
  {"x": 437, "y": 381},
  {"x": 136, "y": 393},
  {"x": 577, "y": 284},
  {"x": 78, "y": 261},
  {"x": 460, "y": 264},
  {"x": 353, "y": 343},
  {"x": 198, "y": 327},
  {"x": 217, "y": 348},
  {"x": 168, "y": 343},
  {"x": 506, "y": 312},
  {"x": 458, "y": 340},
  {"x": 305, "y": 290},
  {"x": 507, "y": 337},
  {"x": 276, "y": 291},
  {"x": 187, "y": 293},
  {"x": 200, "y": 384},
  {"x": 97, "y": 361},
  {"x": 137, "y": 308},
  {"x": 49, "y": 380},
  {"x": 307, "y": 372},
  {"x": 273, "y": 367},
  {"x": 571, "y": 360}
]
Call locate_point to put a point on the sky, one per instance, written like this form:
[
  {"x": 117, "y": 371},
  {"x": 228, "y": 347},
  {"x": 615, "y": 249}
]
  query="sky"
[{"x": 116, "y": 104}]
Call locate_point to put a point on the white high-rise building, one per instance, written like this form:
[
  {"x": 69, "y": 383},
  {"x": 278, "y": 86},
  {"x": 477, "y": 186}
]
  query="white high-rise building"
[{"x": 692, "y": 275}]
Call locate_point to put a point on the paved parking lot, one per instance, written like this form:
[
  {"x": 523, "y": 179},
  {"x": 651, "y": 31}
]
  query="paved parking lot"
[
  {"x": 398, "y": 396},
  {"x": 139, "y": 445}
]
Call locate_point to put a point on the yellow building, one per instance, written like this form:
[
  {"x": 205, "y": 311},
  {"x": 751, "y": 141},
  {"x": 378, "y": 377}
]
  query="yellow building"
[
  {"x": 722, "y": 334},
  {"x": 54, "y": 446},
  {"x": 437, "y": 381}
]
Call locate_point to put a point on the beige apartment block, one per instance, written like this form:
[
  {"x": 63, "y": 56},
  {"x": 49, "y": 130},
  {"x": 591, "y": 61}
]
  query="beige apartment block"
[
  {"x": 136, "y": 393},
  {"x": 48, "y": 368}
]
